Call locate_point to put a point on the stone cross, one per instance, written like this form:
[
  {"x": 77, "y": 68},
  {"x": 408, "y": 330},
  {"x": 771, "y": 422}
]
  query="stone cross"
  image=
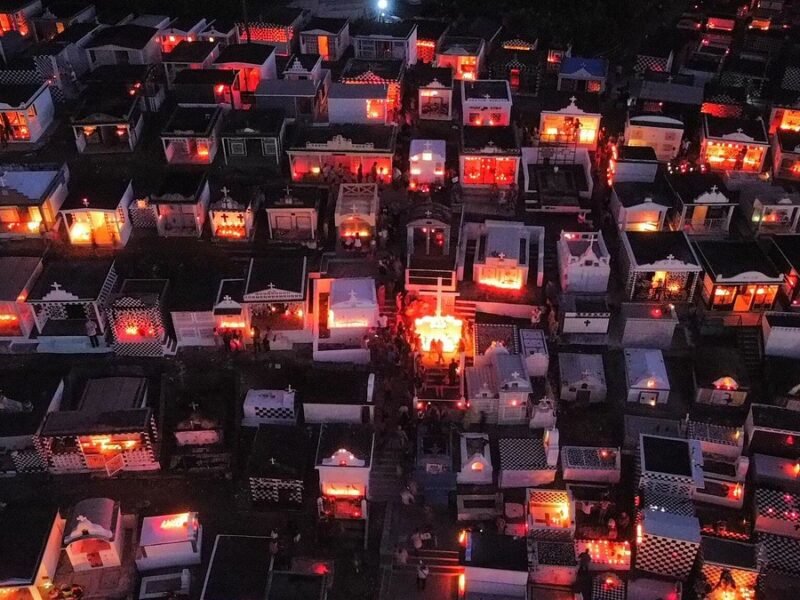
[
  {"x": 670, "y": 257},
  {"x": 194, "y": 406},
  {"x": 714, "y": 189},
  {"x": 225, "y": 192},
  {"x": 501, "y": 256},
  {"x": 56, "y": 286},
  {"x": 428, "y": 213},
  {"x": 226, "y": 298},
  {"x": 271, "y": 286},
  {"x": 573, "y": 100}
]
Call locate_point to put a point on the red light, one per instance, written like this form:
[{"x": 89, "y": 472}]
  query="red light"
[
  {"x": 220, "y": 88},
  {"x": 656, "y": 313},
  {"x": 420, "y": 405},
  {"x": 790, "y": 440}
]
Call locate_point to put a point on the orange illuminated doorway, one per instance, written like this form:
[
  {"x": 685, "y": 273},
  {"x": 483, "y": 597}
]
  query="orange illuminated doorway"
[
  {"x": 488, "y": 170},
  {"x": 744, "y": 299},
  {"x": 322, "y": 43},
  {"x": 253, "y": 76}
]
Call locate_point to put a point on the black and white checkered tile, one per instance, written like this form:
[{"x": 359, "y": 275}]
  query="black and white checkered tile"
[
  {"x": 791, "y": 79},
  {"x": 744, "y": 579},
  {"x": 775, "y": 504},
  {"x": 548, "y": 497},
  {"x": 666, "y": 487},
  {"x": 646, "y": 63},
  {"x": 669, "y": 503},
  {"x": 709, "y": 432},
  {"x": 782, "y": 553},
  {"x": 269, "y": 490},
  {"x": 666, "y": 556},
  {"x": 28, "y": 461},
  {"x": 20, "y": 76},
  {"x": 143, "y": 218},
  {"x": 274, "y": 414},
  {"x": 139, "y": 350},
  {"x": 608, "y": 586},
  {"x": 522, "y": 454}
]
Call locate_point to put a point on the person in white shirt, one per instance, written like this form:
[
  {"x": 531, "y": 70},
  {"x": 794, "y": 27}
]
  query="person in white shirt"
[{"x": 422, "y": 575}]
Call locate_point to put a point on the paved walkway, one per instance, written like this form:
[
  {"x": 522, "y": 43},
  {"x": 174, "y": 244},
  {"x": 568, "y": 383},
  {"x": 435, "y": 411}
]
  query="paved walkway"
[{"x": 403, "y": 586}]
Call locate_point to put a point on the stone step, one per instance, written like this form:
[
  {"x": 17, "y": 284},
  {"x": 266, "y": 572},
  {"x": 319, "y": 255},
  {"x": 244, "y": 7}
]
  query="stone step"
[
  {"x": 411, "y": 566},
  {"x": 435, "y": 557}
]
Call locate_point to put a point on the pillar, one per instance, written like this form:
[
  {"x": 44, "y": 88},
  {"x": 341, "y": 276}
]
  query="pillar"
[{"x": 693, "y": 286}]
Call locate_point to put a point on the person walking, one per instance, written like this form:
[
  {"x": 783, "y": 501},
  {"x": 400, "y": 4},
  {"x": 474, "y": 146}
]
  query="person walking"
[
  {"x": 265, "y": 344},
  {"x": 422, "y": 575},
  {"x": 402, "y": 438},
  {"x": 273, "y": 543},
  {"x": 452, "y": 372},
  {"x": 91, "y": 331},
  {"x": 584, "y": 560},
  {"x": 255, "y": 332},
  {"x": 226, "y": 340}
]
